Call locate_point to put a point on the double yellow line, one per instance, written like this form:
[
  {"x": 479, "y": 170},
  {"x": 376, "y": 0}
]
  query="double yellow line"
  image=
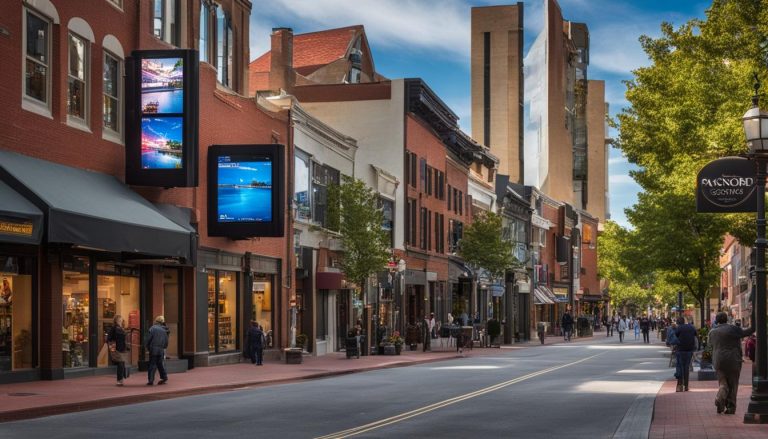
[{"x": 426, "y": 409}]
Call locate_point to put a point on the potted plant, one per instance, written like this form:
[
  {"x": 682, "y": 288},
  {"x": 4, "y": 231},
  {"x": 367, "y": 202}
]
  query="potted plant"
[
  {"x": 301, "y": 341},
  {"x": 398, "y": 341}
]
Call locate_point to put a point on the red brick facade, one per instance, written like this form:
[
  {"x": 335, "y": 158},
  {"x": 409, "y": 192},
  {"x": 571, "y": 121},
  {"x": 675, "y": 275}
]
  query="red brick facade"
[{"x": 226, "y": 117}]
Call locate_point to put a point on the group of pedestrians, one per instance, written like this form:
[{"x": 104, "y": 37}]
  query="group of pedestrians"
[
  {"x": 621, "y": 323},
  {"x": 156, "y": 344},
  {"x": 727, "y": 357}
]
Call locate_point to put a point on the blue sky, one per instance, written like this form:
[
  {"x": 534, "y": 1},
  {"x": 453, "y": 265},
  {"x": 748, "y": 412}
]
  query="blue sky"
[{"x": 430, "y": 39}]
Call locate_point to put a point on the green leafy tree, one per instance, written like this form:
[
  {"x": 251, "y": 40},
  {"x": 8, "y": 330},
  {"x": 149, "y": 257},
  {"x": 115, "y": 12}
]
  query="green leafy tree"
[
  {"x": 685, "y": 111},
  {"x": 482, "y": 245},
  {"x": 360, "y": 220}
]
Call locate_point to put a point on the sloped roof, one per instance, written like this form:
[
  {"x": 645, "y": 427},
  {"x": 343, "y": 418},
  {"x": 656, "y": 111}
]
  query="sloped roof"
[{"x": 313, "y": 50}]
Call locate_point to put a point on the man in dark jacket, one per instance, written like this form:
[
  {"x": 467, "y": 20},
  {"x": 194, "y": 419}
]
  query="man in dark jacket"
[
  {"x": 686, "y": 334},
  {"x": 645, "y": 327},
  {"x": 567, "y": 324},
  {"x": 256, "y": 343},
  {"x": 726, "y": 357},
  {"x": 156, "y": 344}
]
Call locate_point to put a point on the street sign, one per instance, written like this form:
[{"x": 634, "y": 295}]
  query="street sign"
[{"x": 726, "y": 185}]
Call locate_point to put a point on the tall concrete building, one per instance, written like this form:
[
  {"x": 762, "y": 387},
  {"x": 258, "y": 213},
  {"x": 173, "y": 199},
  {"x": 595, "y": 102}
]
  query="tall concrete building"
[
  {"x": 497, "y": 85},
  {"x": 540, "y": 121}
]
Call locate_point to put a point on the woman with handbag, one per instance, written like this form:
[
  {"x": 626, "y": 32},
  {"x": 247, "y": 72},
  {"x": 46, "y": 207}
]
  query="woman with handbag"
[{"x": 117, "y": 348}]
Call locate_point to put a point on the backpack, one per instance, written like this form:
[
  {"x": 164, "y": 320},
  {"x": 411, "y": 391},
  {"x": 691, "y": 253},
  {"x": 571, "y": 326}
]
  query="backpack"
[{"x": 672, "y": 339}]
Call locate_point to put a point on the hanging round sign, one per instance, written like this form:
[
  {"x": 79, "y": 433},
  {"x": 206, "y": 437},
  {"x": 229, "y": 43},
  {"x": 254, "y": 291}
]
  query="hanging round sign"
[{"x": 726, "y": 185}]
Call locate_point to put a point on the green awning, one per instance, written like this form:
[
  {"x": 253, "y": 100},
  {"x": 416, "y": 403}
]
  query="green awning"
[
  {"x": 20, "y": 221},
  {"x": 92, "y": 209}
]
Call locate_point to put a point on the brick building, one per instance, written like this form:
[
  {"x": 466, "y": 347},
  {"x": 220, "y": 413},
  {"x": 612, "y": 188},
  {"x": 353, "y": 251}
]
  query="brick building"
[{"x": 70, "y": 254}]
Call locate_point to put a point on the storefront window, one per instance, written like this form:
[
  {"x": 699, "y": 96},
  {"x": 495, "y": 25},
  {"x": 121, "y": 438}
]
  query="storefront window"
[
  {"x": 118, "y": 294},
  {"x": 262, "y": 303},
  {"x": 222, "y": 311},
  {"x": 15, "y": 316},
  {"x": 76, "y": 304}
]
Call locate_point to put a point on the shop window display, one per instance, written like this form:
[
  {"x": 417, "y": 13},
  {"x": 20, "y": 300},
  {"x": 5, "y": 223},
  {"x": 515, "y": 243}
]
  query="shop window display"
[
  {"x": 118, "y": 294},
  {"x": 222, "y": 311},
  {"x": 76, "y": 303},
  {"x": 15, "y": 321}
]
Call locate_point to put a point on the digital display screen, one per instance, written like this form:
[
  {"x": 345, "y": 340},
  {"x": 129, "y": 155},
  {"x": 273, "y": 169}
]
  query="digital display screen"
[
  {"x": 162, "y": 86},
  {"x": 245, "y": 192},
  {"x": 162, "y": 108},
  {"x": 161, "y": 142}
]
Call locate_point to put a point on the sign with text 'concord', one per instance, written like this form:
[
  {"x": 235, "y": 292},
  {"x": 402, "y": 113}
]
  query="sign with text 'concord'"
[{"x": 726, "y": 185}]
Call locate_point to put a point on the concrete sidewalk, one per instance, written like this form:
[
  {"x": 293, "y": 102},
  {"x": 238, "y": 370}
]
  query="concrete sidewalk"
[
  {"x": 693, "y": 414},
  {"x": 45, "y": 398}
]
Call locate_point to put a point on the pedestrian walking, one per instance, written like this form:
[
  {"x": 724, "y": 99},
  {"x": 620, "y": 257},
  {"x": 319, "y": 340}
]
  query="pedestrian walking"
[
  {"x": 645, "y": 327},
  {"x": 566, "y": 322},
  {"x": 156, "y": 344},
  {"x": 686, "y": 336},
  {"x": 636, "y": 327},
  {"x": 727, "y": 358},
  {"x": 623, "y": 325},
  {"x": 426, "y": 334},
  {"x": 256, "y": 343},
  {"x": 118, "y": 349},
  {"x": 607, "y": 325}
]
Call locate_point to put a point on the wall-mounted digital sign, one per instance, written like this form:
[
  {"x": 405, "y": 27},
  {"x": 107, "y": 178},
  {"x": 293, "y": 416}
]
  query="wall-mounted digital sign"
[
  {"x": 245, "y": 190},
  {"x": 162, "y": 118}
]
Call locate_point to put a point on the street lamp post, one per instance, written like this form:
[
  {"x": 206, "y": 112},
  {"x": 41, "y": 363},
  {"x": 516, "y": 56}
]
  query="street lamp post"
[{"x": 756, "y": 130}]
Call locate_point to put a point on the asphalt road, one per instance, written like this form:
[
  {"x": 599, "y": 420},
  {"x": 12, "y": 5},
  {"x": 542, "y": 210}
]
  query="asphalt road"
[{"x": 576, "y": 390}]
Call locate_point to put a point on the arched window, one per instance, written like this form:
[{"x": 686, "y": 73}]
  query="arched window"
[
  {"x": 224, "y": 47},
  {"x": 207, "y": 32},
  {"x": 166, "y": 20}
]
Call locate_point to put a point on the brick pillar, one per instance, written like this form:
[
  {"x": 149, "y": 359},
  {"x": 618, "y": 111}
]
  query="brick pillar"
[
  {"x": 281, "y": 74},
  {"x": 51, "y": 303}
]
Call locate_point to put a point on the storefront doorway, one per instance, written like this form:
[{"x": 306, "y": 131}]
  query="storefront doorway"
[
  {"x": 172, "y": 308},
  {"x": 118, "y": 295},
  {"x": 222, "y": 311},
  {"x": 263, "y": 305}
]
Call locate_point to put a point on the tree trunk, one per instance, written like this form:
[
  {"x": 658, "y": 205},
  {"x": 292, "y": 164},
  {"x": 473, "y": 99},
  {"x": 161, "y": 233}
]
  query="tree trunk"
[{"x": 703, "y": 312}]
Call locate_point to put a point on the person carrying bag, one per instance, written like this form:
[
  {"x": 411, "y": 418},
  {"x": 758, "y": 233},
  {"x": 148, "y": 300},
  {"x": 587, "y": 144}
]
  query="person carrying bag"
[{"x": 117, "y": 348}]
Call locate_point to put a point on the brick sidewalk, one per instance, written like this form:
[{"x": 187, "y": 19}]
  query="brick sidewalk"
[{"x": 693, "y": 415}]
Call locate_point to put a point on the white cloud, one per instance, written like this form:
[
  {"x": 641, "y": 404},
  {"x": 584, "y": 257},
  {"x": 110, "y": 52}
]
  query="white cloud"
[
  {"x": 621, "y": 160},
  {"x": 620, "y": 179},
  {"x": 407, "y": 24}
]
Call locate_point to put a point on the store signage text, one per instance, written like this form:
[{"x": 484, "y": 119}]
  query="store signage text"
[
  {"x": 11, "y": 228},
  {"x": 726, "y": 185}
]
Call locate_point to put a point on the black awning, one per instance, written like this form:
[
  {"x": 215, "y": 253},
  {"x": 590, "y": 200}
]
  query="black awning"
[
  {"x": 92, "y": 209},
  {"x": 20, "y": 221}
]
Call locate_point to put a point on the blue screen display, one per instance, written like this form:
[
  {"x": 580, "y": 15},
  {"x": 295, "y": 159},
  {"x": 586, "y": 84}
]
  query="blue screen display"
[{"x": 244, "y": 190}]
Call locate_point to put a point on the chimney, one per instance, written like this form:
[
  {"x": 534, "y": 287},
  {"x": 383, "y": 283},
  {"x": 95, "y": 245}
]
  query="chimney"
[{"x": 281, "y": 74}]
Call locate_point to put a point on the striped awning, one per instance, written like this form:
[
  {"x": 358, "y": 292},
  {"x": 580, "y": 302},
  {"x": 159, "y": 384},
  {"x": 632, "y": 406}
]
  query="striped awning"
[{"x": 543, "y": 296}]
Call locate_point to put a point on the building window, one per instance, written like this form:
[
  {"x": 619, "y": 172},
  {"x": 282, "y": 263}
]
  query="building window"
[
  {"x": 455, "y": 233},
  {"x": 439, "y": 233},
  {"x": 224, "y": 46},
  {"x": 461, "y": 203},
  {"x": 36, "y": 74},
  {"x": 222, "y": 311},
  {"x": 424, "y": 223},
  {"x": 165, "y": 20},
  {"x": 411, "y": 169},
  {"x": 323, "y": 177},
  {"x": 410, "y": 222},
  {"x": 112, "y": 92},
  {"x": 439, "y": 184},
  {"x": 450, "y": 189},
  {"x": 429, "y": 230},
  {"x": 77, "y": 95},
  {"x": 388, "y": 210},
  {"x": 301, "y": 187},
  {"x": 429, "y": 180},
  {"x": 207, "y": 18},
  {"x": 423, "y": 173}
]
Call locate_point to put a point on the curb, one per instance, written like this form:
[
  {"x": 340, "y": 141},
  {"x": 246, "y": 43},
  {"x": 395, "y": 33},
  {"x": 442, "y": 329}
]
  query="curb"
[{"x": 60, "y": 409}]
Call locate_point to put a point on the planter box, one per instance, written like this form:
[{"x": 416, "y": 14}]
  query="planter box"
[
  {"x": 293, "y": 356},
  {"x": 389, "y": 349}
]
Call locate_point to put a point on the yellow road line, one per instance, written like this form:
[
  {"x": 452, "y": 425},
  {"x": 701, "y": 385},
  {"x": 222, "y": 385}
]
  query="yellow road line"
[{"x": 426, "y": 409}]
